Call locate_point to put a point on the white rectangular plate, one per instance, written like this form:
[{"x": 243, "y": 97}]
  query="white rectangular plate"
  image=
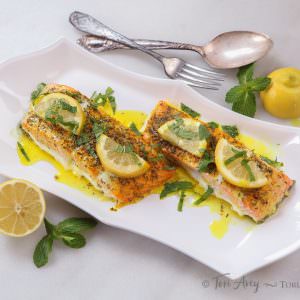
[{"x": 239, "y": 252}]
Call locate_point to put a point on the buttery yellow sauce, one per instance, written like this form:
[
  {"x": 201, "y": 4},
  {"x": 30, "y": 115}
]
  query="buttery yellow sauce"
[{"x": 225, "y": 216}]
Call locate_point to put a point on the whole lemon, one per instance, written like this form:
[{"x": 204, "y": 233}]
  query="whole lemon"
[{"x": 282, "y": 98}]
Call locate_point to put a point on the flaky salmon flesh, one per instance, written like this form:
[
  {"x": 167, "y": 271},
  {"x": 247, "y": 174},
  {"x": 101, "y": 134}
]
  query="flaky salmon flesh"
[
  {"x": 258, "y": 203},
  {"x": 82, "y": 159}
]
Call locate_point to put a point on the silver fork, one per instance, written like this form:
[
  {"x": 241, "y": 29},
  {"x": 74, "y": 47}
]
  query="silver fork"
[{"x": 174, "y": 67}]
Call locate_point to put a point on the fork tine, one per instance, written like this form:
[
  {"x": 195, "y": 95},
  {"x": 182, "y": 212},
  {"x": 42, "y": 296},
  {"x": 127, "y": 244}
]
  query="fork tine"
[
  {"x": 202, "y": 86},
  {"x": 205, "y": 70},
  {"x": 197, "y": 80},
  {"x": 199, "y": 75}
]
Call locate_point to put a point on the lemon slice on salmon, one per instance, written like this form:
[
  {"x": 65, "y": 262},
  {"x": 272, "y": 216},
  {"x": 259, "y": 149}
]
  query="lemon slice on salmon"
[
  {"x": 22, "y": 207},
  {"x": 184, "y": 133},
  {"x": 236, "y": 168},
  {"x": 119, "y": 159},
  {"x": 61, "y": 109}
]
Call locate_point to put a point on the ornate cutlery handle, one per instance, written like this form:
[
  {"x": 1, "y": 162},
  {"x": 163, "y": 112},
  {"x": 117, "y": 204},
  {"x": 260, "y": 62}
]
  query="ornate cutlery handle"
[
  {"x": 88, "y": 24},
  {"x": 100, "y": 44}
]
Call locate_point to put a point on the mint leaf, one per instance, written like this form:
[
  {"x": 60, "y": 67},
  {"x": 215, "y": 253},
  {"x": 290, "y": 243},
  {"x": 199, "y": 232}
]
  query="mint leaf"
[
  {"x": 212, "y": 125},
  {"x": 180, "y": 202},
  {"x": 74, "y": 240},
  {"x": 172, "y": 187},
  {"x": 134, "y": 129},
  {"x": 235, "y": 93},
  {"x": 203, "y": 132},
  {"x": 259, "y": 84},
  {"x": 205, "y": 161},
  {"x": 42, "y": 251},
  {"x": 49, "y": 227},
  {"x": 67, "y": 231},
  {"x": 22, "y": 150},
  {"x": 245, "y": 164},
  {"x": 75, "y": 225},
  {"x": 275, "y": 163},
  {"x": 189, "y": 111},
  {"x": 245, "y": 73},
  {"x": 204, "y": 196},
  {"x": 246, "y": 105},
  {"x": 98, "y": 130},
  {"x": 232, "y": 130},
  {"x": 242, "y": 96},
  {"x": 36, "y": 93}
]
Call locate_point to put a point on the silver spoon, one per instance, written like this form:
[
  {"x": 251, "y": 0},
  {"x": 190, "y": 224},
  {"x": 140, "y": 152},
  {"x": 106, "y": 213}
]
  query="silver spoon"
[{"x": 228, "y": 50}]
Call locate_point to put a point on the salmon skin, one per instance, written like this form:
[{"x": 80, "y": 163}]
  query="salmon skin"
[
  {"x": 81, "y": 156},
  {"x": 258, "y": 203}
]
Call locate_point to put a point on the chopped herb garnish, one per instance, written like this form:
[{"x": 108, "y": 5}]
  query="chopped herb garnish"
[
  {"x": 134, "y": 128},
  {"x": 237, "y": 155},
  {"x": 23, "y": 151},
  {"x": 66, "y": 106},
  {"x": 98, "y": 129},
  {"x": 176, "y": 186},
  {"x": 180, "y": 202},
  {"x": 204, "y": 196},
  {"x": 158, "y": 157},
  {"x": 99, "y": 99},
  {"x": 189, "y": 111},
  {"x": 275, "y": 163},
  {"x": 82, "y": 139},
  {"x": 178, "y": 130},
  {"x": 169, "y": 168},
  {"x": 245, "y": 164},
  {"x": 205, "y": 161},
  {"x": 90, "y": 149},
  {"x": 231, "y": 130},
  {"x": 203, "y": 132},
  {"x": 52, "y": 115},
  {"x": 213, "y": 125},
  {"x": 36, "y": 93}
]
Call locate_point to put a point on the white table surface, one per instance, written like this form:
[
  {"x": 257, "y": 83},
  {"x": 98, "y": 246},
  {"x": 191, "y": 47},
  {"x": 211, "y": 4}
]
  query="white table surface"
[{"x": 116, "y": 264}]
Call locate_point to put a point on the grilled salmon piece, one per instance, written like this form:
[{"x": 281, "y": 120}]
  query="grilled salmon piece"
[
  {"x": 51, "y": 138},
  {"x": 125, "y": 190},
  {"x": 81, "y": 157},
  {"x": 257, "y": 203}
]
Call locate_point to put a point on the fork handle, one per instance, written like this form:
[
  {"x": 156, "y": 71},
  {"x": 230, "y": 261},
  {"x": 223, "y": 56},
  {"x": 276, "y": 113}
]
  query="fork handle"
[
  {"x": 88, "y": 24},
  {"x": 100, "y": 44}
]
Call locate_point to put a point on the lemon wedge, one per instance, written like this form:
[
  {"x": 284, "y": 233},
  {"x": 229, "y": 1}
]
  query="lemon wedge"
[
  {"x": 184, "y": 133},
  {"x": 61, "y": 109},
  {"x": 236, "y": 168},
  {"x": 118, "y": 159},
  {"x": 22, "y": 207}
]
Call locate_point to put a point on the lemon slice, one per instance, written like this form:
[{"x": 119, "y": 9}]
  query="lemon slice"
[
  {"x": 61, "y": 109},
  {"x": 22, "y": 207},
  {"x": 184, "y": 133},
  {"x": 236, "y": 168},
  {"x": 120, "y": 160}
]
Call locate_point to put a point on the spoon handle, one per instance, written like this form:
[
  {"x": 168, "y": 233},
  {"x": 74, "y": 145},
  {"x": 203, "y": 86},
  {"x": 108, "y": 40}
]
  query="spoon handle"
[{"x": 100, "y": 44}]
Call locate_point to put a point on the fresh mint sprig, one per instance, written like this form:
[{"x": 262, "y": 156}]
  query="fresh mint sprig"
[
  {"x": 242, "y": 96},
  {"x": 68, "y": 231}
]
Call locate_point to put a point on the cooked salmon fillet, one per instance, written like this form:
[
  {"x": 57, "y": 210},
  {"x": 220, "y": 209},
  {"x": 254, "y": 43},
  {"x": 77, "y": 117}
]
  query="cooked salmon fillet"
[
  {"x": 82, "y": 158},
  {"x": 258, "y": 203}
]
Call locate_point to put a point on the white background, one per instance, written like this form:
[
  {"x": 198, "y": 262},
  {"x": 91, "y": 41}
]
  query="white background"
[{"x": 116, "y": 264}]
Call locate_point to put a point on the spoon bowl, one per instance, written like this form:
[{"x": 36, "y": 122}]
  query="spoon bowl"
[{"x": 236, "y": 48}]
